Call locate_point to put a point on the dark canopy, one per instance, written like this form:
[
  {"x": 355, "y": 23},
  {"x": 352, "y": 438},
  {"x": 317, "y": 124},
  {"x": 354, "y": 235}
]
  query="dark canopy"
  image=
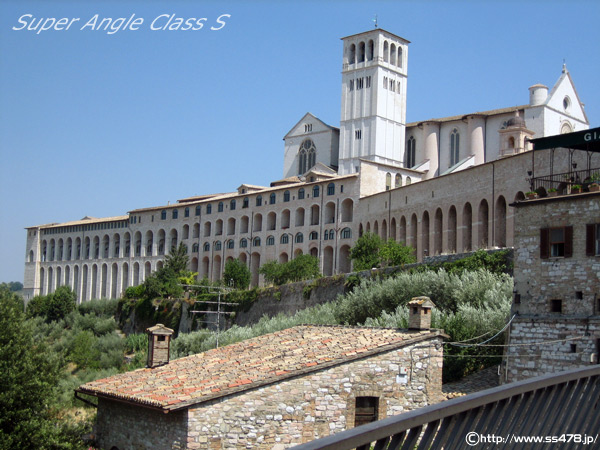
[{"x": 588, "y": 140}]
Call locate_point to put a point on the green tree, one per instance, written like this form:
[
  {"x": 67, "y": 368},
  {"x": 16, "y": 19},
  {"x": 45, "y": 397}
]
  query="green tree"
[
  {"x": 177, "y": 259},
  {"x": 273, "y": 272},
  {"x": 365, "y": 253},
  {"x": 236, "y": 274},
  {"x": 60, "y": 303},
  {"x": 393, "y": 253},
  {"x": 30, "y": 374},
  {"x": 302, "y": 267}
]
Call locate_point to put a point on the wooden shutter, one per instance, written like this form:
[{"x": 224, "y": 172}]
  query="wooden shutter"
[
  {"x": 590, "y": 238},
  {"x": 568, "y": 242},
  {"x": 544, "y": 243}
]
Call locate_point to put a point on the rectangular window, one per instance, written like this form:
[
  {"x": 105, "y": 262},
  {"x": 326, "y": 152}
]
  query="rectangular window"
[
  {"x": 351, "y": 85},
  {"x": 556, "y": 306},
  {"x": 592, "y": 239},
  {"x": 366, "y": 410},
  {"x": 556, "y": 242},
  {"x": 368, "y": 81}
]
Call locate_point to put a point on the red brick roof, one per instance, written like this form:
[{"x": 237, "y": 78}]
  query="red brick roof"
[{"x": 250, "y": 363}]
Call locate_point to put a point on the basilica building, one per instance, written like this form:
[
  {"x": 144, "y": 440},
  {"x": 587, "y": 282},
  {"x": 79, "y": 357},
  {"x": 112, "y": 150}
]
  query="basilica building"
[{"x": 441, "y": 185}]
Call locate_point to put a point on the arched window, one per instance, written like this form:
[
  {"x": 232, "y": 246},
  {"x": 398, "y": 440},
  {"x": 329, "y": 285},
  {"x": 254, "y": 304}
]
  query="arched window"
[
  {"x": 230, "y": 244},
  {"x": 301, "y": 194},
  {"x": 307, "y": 156},
  {"x": 399, "y": 62},
  {"x": 243, "y": 243},
  {"x": 245, "y": 202},
  {"x": 272, "y": 198},
  {"x": 286, "y": 196},
  {"x": 331, "y": 235},
  {"x": 393, "y": 54},
  {"x": 330, "y": 189},
  {"x": 386, "y": 55},
  {"x": 163, "y": 214},
  {"x": 198, "y": 208},
  {"x": 232, "y": 205},
  {"x": 408, "y": 181},
  {"x": 361, "y": 52},
  {"x": 259, "y": 200},
  {"x": 313, "y": 235},
  {"x": 370, "y": 50},
  {"x": 195, "y": 247},
  {"x": 208, "y": 209},
  {"x": 186, "y": 212},
  {"x": 388, "y": 181},
  {"x": 206, "y": 247},
  {"x": 256, "y": 242},
  {"x": 398, "y": 181},
  {"x": 299, "y": 239},
  {"x": 285, "y": 239},
  {"x": 411, "y": 152},
  {"x": 270, "y": 240},
  {"x": 175, "y": 214},
  {"x": 454, "y": 147},
  {"x": 315, "y": 191},
  {"x": 346, "y": 233},
  {"x": 326, "y": 235},
  {"x": 352, "y": 54},
  {"x": 220, "y": 207},
  {"x": 218, "y": 245}
]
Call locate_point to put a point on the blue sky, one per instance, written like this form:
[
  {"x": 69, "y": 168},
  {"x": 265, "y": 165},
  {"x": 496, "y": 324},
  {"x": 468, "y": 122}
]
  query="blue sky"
[{"x": 98, "y": 124}]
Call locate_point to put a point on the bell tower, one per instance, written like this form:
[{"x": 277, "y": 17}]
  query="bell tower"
[{"x": 373, "y": 117}]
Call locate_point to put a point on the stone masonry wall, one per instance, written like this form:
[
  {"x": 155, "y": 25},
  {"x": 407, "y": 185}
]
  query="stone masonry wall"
[
  {"x": 548, "y": 345},
  {"x": 304, "y": 408},
  {"x": 543, "y": 341},
  {"x": 137, "y": 428}
]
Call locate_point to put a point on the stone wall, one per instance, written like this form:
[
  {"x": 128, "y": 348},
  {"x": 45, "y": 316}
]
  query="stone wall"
[
  {"x": 318, "y": 404},
  {"x": 550, "y": 344},
  {"x": 129, "y": 427},
  {"x": 543, "y": 339}
]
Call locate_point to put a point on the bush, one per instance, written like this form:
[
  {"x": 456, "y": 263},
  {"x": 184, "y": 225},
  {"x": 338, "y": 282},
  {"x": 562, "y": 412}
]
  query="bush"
[
  {"x": 303, "y": 267},
  {"x": 236, "y": 274},
  {"x": 101, "y": 308}
]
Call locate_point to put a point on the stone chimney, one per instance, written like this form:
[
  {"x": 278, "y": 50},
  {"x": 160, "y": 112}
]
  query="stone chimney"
[
  {"x": 159, "y": 343},
  {"x": 419, "y": 313}
]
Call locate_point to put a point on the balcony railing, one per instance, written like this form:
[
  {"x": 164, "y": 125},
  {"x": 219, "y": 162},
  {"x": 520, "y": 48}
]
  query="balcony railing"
[
  {"x": 562, "y": 406},
  {"x": 562, "y": 182}
]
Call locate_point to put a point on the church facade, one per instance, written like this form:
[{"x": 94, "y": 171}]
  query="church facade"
[{"x": 440, "y": 185}]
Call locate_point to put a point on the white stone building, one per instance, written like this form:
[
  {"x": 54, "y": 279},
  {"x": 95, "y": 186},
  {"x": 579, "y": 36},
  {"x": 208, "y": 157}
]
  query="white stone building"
[{"x": 440, "y": 185}]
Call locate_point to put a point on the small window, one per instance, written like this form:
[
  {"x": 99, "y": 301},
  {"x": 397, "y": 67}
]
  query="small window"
[
  {"x": 366, "y": 410},
  {"x": 388, "y": 181},
  {"x": 301, "y": 194},
  {"x": 272, "y": 198},
  {"x": 330, "y": 189},
  {"x": 230, "y": 244},
  {"x": 357, "y": 134},
  {"x": 220, "y": 207},
  {"x": 270, "y": 240},
  {"x": 163, "y": 214},
  {"x": 286, "y": 196},
  {"x": 259, "y": 200},
  {"x": 175, "y": 214},
  {"x": 232, "y": 205},
  {"x": 573, "y": 348},
  {"x": 315, "y": 191},
  {"x": 592, "y": 239},
  {"x": 186, "y": 212},
  {"x": 556, "y": 242},
  {"x": 454, "y": 147},
  {"x": 218, "y": 245},
  {"x": 331, "y": 235},
  {"x": 346, "y": 233},
  {"x": 206, "y": 247},
  {"x": 256, "y": 242},
  {"x": 556, "y": 306},
  {"x": 313, "y": 235},
  {"x": 198, "y": 208},
  {"x": 208, "y": 209},
  {"x": 160, "y": 338},
  {"x": 285, "y": 239},
  {"x": 195, "y": 247},
  {"x": 243, "y": 243},
  {"x": 245, "y": 202},
  {"x": 299, "y": 238}
]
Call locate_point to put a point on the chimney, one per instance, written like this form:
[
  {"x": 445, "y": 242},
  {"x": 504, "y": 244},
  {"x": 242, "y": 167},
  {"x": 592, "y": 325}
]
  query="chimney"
[
  {"x": 419, "y": 313},
  {"x": 159, "y": 340}
]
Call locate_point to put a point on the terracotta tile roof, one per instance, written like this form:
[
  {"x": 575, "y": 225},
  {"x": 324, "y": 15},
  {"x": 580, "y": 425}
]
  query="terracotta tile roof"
[
  {"x": 250, "y": 363},
  {"x": 85, "y": 221}
]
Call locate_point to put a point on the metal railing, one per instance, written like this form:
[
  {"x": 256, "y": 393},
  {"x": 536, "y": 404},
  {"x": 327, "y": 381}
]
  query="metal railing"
[
  {"x": 564, "y": 181},
  {"x": 564, "y": 405}
]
